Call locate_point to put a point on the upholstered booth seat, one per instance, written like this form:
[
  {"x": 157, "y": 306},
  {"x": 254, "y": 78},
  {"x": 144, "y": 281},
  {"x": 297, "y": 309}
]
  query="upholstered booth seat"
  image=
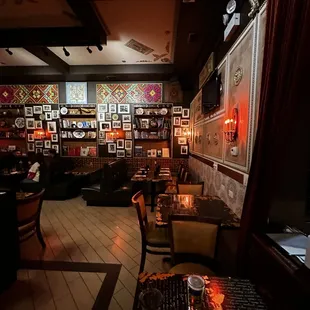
[
  {"x": 191, "y": 268},
  {"x": 157, "y": 236}
]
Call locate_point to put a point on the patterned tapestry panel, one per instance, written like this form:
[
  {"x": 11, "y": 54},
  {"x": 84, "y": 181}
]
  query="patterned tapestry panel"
[
  {"x": 129, "y": 93},
  {"x": 43, "y": 93},
  {"x": 76, "y": 92}
]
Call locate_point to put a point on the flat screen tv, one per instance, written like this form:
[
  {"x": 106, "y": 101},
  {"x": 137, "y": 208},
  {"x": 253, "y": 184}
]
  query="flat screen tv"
[{"x": 211, "y": 92}]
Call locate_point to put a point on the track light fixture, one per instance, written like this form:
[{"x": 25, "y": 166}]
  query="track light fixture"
[
  {"x": 9, "y": 52},
  {"x": 66, "y": 52},
  {"x": 100, "y": 48},
  {"x": 89, "y": 50}
]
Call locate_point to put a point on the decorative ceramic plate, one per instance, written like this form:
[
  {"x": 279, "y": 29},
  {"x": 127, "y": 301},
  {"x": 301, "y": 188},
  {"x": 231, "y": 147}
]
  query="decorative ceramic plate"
[
  {"x": 79, "y": 134},
  {"x": 231, "y": 6},
  {"x": 20, "y": 122},
  {"x": 63, "y": 110},
  {"x": 80, "y": 125},
  {"x": 42, "y": 117},
  {"x": 163, "y": 111},
  {"x": 115, "y": 117},
  {"x": 139, "y": 111}
]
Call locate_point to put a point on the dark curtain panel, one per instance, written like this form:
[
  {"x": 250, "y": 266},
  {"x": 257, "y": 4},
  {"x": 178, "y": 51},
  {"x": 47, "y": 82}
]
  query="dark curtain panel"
[{"x": 284, "y": 119}]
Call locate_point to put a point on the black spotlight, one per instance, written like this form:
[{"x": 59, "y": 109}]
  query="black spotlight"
[
  {"x": 89, "y": 50},
  {"x": 66, "y": 52},
  {"x": 9, "y": 52},
  {"x": 100, "y": 48}
]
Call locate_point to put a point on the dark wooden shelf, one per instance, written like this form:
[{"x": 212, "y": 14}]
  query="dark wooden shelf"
[
  {"x": 79, "y": 139},
  {"x": 151, "y": 129},
  {"x": 85, "y": 129},
  {"x": 78, "y": 115},
  {"x": 150, "y": 139},
  {"x": 153, "y": 115}
]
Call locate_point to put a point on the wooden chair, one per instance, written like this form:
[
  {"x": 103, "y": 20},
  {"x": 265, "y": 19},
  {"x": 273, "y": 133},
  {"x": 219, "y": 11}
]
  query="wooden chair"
[
  {"x": 28, "y": 217},
  {"x": 193, "y": 244},
  {"x": 151, "y": 236},
  {"x": 190, "y": 189}
]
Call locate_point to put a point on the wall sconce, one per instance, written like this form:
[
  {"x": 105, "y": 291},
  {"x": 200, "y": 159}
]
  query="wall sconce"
[
  {"x": 187, "y": 133},
  {"x": 114, "y": 134},
  {"x": 39, "y": 134},
  {"x": 231, "y": 127}
]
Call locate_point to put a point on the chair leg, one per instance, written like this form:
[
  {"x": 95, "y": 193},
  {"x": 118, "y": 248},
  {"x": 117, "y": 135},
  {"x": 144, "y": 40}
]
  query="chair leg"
[
  {"x": 143, "y": 257},
  {"x": 39, "y": 235}
]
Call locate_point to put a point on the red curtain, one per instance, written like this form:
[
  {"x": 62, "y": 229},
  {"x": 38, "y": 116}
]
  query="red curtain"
[{"x": 284, "y": 97}]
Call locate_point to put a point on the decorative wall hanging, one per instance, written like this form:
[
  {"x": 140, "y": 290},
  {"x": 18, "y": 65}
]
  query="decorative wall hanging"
[
  {"x": 238, "y": 76},
  {"x": 42, "y": 93},
  {"x": 129, "y": 93},
  {"x": 254, "y": 8},
  {"x": 76, "y": 93}
]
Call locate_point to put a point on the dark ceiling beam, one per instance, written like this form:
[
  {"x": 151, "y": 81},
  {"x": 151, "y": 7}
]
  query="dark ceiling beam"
[
  {"x": 49, "y": 57},
  {"x": 92, "y": 22},
  {"x": 62, "y": 36}
]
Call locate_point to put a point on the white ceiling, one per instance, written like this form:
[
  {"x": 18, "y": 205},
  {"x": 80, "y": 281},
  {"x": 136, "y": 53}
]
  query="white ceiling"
[{"x": 20, "y": 57}]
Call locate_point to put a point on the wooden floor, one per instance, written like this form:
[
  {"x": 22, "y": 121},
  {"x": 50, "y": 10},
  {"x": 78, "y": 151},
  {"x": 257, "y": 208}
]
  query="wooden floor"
[{"x": 74, "y": 232}]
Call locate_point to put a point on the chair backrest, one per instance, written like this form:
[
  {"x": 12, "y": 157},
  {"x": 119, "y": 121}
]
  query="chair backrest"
[
  {"x": 179, "y": 170},
  {"x": 193, "y": 236},
  {"x": 181, "y": 173},
  {"x": 139, "y": 203},
  {"x": 29, "y": 209},
  {"x": 191, "y": 189}
]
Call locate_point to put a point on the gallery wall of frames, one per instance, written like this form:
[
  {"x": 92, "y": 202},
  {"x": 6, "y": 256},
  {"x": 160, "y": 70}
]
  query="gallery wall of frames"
[{"x": 125, "y": 120}]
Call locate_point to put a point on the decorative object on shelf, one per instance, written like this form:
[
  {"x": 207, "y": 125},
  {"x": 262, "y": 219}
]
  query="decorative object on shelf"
[
  {"x": 185, "y": 113},
  {"x": 76, "y": 92},
  {"x": 139, "y": 111},
  {"x": 51, "y": 127},
  {"x": 37, "y": 109},
  {"x": 102, "y": 108},
  {"x": 48, "y": 116},
  {"x": 20, "y": 122},
  {"x": 79, "y": 134},
  {"x": 126, "y": 118},
  {"x": 105, "y": 126},
  {"x": 184, "y": 123},
  {"x": 231, "y": 6},
  {"x": 30, "y": 124},
  {"x": 177, "y": 110},
  {"x": 182, "y": 140},
  {"x": 123, "y": 108},
  {"x": 163, "y": 111},
  {"x": 47, "y": 108},
  {"x": 28, "y": 111},
  {"x": 126, "y": 126},
  {"x": 177, "y": 121},
  {"x": 115, "y": 117},
  {"x": 184, "y": 149},
  {"x": 238, "y": 76},
  {"x": 63, "y": 111},
  {"x": 112, "y": 108},
  {"x": 153, "y": 123},
  {"x": 254, "y": 8},
  {"x": 120, "y": 153},
  {"x": 79, "y": 125},
  {"x": 54, "y": 137},
  {"x": 144, "y": 123},
  {"x": 231, "y": 127},
  {"x": 177, "y": 132},
  {"x": 116, "y": 124},
  {"x": 120, "y": 143},
  {"x": 38, "y": 124},
  {"x": 84, "y": 151},
  {"x": 112, "y": 148}
]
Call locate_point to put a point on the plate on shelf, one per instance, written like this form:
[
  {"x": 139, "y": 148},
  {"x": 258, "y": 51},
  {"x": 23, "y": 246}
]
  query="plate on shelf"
[
  {"x": 63, "y": 110},
  {"x": 139, "y": 111},
  {"x": 163, "y": 111},
  {"x": 20, "y": 122},
  {"x": 80, "y": 125},
  {"x": 79, "y": 134},
  {"x": 115, "y": 117}
]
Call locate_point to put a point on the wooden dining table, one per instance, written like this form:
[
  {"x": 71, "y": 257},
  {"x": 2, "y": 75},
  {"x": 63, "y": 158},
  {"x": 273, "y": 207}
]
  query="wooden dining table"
[{"x": 204, "y": 206}]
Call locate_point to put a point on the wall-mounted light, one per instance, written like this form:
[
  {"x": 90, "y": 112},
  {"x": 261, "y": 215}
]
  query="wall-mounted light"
[
  {"x": 9, "y": 52},
  {"x": 39, "y": 134},
  {"x": 66, "y": 52},
  {"x": 187, "y": 133},
  {"x": 231, "y": 127},
  {"x": 100, "y": 48},
  {"x": 89, "y": 50},
  {"x": 114, "y": 134}
]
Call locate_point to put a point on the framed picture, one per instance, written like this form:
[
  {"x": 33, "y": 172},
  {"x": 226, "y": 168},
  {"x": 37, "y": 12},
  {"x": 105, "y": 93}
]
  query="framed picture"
[
  {"x": 120, "y": 143},
  {"x": 102, "y": 142},
  {"x": 39, "y": 143},
  {"x": 112, "y": 148},
  {"x": 112, "y": 108},
  {"x": 108, "y": 116},
  {"x": 48, "y": 116},
  {"x": 28, "y": 111},
  {"x": 153, "y": 152},
  {"x": 47, "y": 144},
  {"x": 101, "y": 117},
  {"x": 117, "y": 124},
  {"x": 177, "y": 110},
  {"x": 128, "y": 153},
  {"x": 184, "y": 123},
  {"x": 177, "y": 121},
  {"x": 54, "y": 137},
  {"x": 149, "y": 153},
  {"x": 30, "y": 137},
  {"x": 93, "y": 124},
  {"x": 64, "y": 134},
  {"x": 184, "y": 150},
  {"x": 30, "y": 124},
  {"x": 38, "y": 124},
  {"x": 47, "y": 108},
  {"x": 30, "y": 147},
  {"x": 56, "y": 147},
  {"x": 128, "y": 135},
  {"x": 120, "y": 153},
  {"x": 185, "y": 113},
  {"x": 126, "y": 118},
  {"x": 182, "y": 140},
  {"x": 109, "y": 136},
  {"x": 123, "y": 108},
  {"x": 128, "y": 144},
  {"x": 37, "y": 109},
  {"x": 178, "y": 132},
  {"x": 127, "y": 126},
  {"x": 52, "y": 127},
  {"x": 102, "y": 108},
  {"x": 145, "y": 123},
  {"x": 101, "y": 135},
  {"x": 55, "y": 114},
  {"x": 105, "y": 126},
  {"x": 45, "y": 152},
  {"x": 39, "y": 150}
]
